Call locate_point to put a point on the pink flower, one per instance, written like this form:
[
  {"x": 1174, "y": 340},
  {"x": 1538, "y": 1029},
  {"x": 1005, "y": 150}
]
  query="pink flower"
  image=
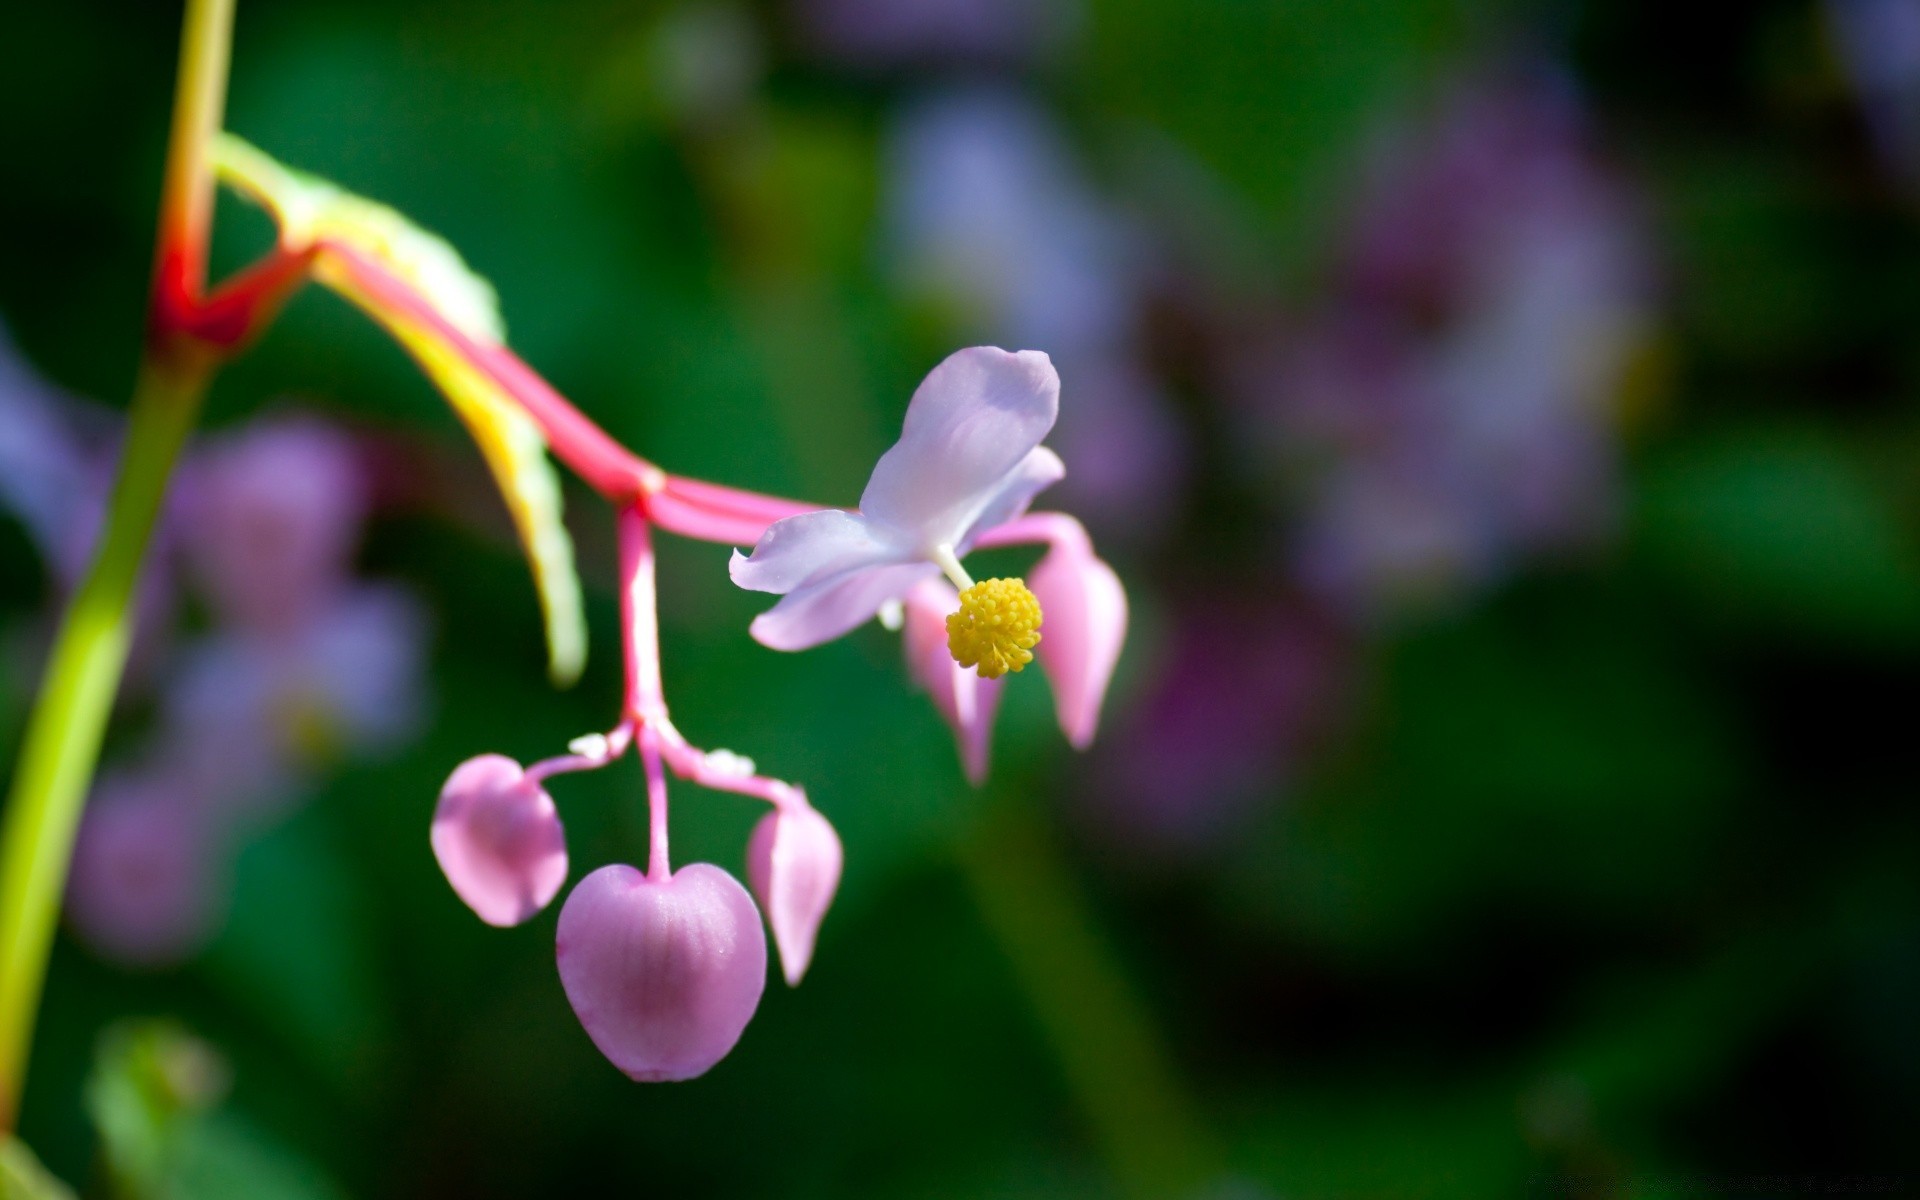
[
  {"x": 499, "y": 840},
  {"x": 793, "y": 863},
  {"x": 969, "y": 458},
  {"x": 965, "y": 700},
  {"x": 1087, "y": 623},
  {"x": 663, "y": 973}
]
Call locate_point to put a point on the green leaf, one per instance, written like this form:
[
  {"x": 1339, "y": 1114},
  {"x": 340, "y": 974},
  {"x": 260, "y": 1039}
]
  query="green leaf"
[
  {"x": 315, "y": 215},
  {"x": 151, "y": 1082},
  {"x": 23, "y": 1178},
  {"x": 1783, "y": 528}
]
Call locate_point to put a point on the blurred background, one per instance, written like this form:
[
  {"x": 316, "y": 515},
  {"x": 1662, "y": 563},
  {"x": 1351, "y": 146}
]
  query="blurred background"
[{"x": 1502, "y": 414}]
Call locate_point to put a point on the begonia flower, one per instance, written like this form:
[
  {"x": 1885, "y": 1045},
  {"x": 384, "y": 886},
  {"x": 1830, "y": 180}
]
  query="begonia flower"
[
  {"x": 966, "y": 701},
  {"x": 663, "y": 973},
  {"x": 499, "y": 840},
  {"x": 1082, "y": 645},
  {"x": 969, "y": 458},
  {"x": 793, "y": 862}
]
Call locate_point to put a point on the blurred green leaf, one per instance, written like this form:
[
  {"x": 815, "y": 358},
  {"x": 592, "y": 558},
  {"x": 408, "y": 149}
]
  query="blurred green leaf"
[
  {"x": 295, "y": 950},
  {"x": 1782, "y": 528},
  {"x": 1274, "y": 97},
  {"x": 151, "y": 1082},
  {"x": 227, "y": 1159},
  {"x": 23, "y": 1178}
]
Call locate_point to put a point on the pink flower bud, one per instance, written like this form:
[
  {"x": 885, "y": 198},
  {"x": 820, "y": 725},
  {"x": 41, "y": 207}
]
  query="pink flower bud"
[
  {"x": 793, "y": 862},
  {"x": 967, "y": 701},
  {"x": 499, "y": 840},
  {"x": 664, "y": 974},
  {"x": 1085, "y": 623}
]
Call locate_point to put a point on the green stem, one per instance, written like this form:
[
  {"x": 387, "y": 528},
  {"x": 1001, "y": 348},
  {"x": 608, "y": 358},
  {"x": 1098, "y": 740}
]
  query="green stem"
[
  {"x": 69, "y": 716},
  {"x": 1146, "y": 1125}
]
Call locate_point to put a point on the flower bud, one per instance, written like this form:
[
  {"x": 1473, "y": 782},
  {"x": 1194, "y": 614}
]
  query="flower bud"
[
  {"x": 1086, "y": 623},
  {"x": 663, "y": 974},
  {"x": 793, "y": 862},
  {"x": 499, "y": 840},
  {"x": 965, "y": 700}
]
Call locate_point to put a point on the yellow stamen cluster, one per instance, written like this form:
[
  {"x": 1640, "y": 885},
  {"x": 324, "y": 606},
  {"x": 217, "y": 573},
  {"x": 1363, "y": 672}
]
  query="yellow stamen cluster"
[{"x": 996, "y": 629}]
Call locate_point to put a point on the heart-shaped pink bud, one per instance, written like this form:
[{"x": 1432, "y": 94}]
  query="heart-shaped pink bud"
[
  {"x": 499, "y": 840},
  {"x": 965, "y": 700},
  {"x": 664, "y": 974},
  {"x": 793, "y": 862},
  {"x": 1086, "y": 621}
]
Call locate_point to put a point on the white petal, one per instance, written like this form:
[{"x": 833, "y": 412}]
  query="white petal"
[
  {"x": 975, "y": 418},
  {"x": 808, "y": 548},
  {"x": 822, "y": 610},
  {"x": 1037, "y": 471}
]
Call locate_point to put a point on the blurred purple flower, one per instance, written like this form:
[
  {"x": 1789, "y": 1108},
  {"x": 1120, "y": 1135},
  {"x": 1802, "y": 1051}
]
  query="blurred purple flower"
[
  {"x": 887, "y": 34},
  {"x": 1453, "y": 407},
  {"x": 990, "y": 219},
  {"x": 271, "y": 518},
  {"x": 1244, "y": 687},
  {"x": 147, "y": 880},
  {"x": 1878, "y": 45},
  {"x": 304, "y": 662}
]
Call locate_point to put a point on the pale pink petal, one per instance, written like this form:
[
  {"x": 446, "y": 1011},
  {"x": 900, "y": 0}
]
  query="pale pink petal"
[
  {"x": 499, "y": 841},
  {"x": 1037, "y": 471},
  {"x": 1084, "y": 622},
  {"x": 664, "y": 975},
  {"x": 972, "y": 421},
  {"x": 819, "y": 612},
  {"x": 793, "y": 863},
  {"x": 809, "y": 548},
  {"x": 966, "y": 701}
]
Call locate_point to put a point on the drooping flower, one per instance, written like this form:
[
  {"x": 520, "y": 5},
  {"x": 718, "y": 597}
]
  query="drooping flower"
[
  {"x": 663, "y": 973},
  {"x": 969, "y": 458},
  {"x": 793, "y": 862},
  {"x": 1082, "y": 645},
  {"x": 499, "y": 841},
  {"x": 966, "y": 701}
]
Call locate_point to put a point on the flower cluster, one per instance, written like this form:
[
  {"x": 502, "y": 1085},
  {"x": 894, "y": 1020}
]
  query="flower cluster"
[{"x": 665, "y": 967}]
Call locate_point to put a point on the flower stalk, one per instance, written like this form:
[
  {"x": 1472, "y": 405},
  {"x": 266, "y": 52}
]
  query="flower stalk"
[{"x": 64, "y": 732}]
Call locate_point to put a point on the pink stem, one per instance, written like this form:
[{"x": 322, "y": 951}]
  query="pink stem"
[
  {"x": 689, "y": 507},
  {"x": 617, "y": 473},
  {"x": 658, "y": 867},
  {"x": 616, "y": 744},
  {"x": 711, "y": 512},
  {"x": 639, "y": 617},
  {"x": 696, "y": 766}
]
